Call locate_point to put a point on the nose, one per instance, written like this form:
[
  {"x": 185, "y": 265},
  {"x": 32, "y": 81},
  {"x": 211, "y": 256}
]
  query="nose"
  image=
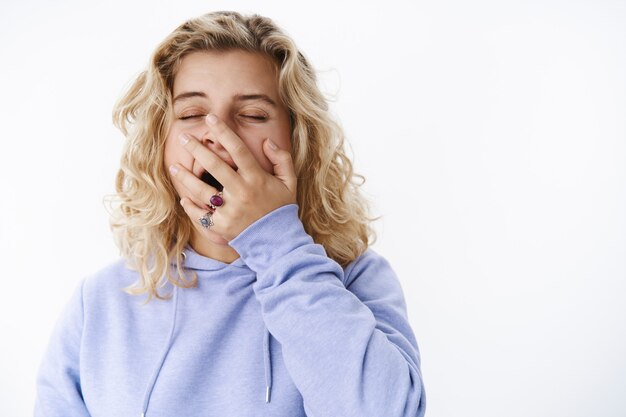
[
  {"x": 213, "y": 143},
  {"x": 216, "y": 147}
]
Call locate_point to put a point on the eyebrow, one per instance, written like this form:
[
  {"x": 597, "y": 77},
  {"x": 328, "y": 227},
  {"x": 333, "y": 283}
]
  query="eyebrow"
[
  {"x": 238, "y": 97},
  {"x": 262, "y": 97},
  {"x": 190, "y": 94}
]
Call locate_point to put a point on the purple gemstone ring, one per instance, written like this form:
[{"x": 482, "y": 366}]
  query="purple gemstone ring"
[{"x": 216, "y": 200}]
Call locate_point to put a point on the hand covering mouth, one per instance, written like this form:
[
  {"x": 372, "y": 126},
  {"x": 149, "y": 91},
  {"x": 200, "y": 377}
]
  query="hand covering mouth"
[{"x": 209, "y": 179}]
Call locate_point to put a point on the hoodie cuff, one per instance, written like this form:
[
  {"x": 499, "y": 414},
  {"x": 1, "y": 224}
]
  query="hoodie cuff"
[{"x": 271, "y": 237}]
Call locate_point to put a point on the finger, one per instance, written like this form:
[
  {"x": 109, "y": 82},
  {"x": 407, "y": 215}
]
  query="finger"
[
  {"x": 210, "y": 161},
  {"x": 283, "y": 164},
  {"x": 197, "y": 188},
  {"x": 237, "y": 149},
  {"x": 195, "y": 213}
]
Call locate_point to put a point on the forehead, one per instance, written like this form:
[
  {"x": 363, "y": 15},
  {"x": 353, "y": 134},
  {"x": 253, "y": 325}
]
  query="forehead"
[{"x": 226, "y": 71}]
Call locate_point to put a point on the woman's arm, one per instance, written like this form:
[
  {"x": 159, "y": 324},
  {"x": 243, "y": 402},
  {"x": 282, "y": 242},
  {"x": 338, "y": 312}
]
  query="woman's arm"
[
  {"x": 58, "y": 382},
  {"x": 345, "y": 337}
]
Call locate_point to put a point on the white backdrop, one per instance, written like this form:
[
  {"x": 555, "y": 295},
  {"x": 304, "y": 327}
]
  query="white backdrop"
[{"x": 493, "y": 138}]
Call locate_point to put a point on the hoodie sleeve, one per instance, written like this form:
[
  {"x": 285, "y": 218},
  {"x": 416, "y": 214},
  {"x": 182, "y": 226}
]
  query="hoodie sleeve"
[
  {"x": 345, "y": 335},
  {"x": 58, "y": 382}
]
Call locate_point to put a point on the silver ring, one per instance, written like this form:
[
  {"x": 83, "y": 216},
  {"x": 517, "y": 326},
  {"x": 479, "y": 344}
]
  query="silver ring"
[{"x": 206, "y": 221}]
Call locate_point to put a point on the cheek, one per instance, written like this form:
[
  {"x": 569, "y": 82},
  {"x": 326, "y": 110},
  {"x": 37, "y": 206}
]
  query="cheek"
[
  {"x": 284, "y": 142},
  {"x": 281, "y": 136},
  {"x": 174, "y": 152},
  {"x": 170, "y": 151},
  {"x": 256, "y": 149}
]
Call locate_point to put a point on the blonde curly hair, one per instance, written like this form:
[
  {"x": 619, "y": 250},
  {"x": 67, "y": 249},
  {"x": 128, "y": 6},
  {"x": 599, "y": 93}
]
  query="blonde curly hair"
[{"x": 151, "y": 229}]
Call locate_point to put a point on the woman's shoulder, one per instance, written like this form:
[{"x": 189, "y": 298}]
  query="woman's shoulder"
[
  {"x": 94, "y": 294},
  {"x": 369, "y": 262},
  {"x": 109, "y": 280}
]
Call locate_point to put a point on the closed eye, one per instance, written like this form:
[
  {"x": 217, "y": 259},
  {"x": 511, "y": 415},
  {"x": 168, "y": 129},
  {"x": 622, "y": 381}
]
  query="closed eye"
[
  {"x": 249, "y": 116},
  {"x": 191, "y": 116}
]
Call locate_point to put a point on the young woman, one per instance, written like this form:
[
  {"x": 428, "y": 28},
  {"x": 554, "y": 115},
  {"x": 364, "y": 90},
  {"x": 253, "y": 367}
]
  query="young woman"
[{"x": 240, "y": 224}]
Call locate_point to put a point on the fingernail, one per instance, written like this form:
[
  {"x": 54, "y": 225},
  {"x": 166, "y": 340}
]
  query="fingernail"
[
  {"x": 173, "y": 170},
  {"x": 183, "y": 138},
  {"x": 272, "y": 144},
  {"x": 211, "y": 119}
]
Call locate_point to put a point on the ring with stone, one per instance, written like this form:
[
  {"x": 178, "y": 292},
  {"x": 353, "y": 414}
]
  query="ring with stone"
[
  {"x": 216, "y": 200},
  {"x": 206, "y": 221}
]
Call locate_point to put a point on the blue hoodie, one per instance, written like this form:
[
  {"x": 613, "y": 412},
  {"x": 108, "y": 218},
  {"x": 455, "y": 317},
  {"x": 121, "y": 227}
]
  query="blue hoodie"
[{"x": 281, "y": 331}]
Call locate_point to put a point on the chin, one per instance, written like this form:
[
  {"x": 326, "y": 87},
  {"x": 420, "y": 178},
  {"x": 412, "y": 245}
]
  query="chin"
[{"x": 219, "y": 241}]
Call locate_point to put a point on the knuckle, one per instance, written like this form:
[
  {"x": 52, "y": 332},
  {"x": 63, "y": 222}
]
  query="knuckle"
[
  {"x": 218, "y": 125},
  {"x": 210, "y": 162},
  {"x": 191, "y": 145},
  {"x": 182, "y": 178},
  {"x": 254, "y": 182},
  {"x": 284, "y": 157},
  {"x": 246, "y": 196},
  {"x": 240, "y": 148},
  {"x": 219, "y": 128},
  {"x": 205, "y": 195}
]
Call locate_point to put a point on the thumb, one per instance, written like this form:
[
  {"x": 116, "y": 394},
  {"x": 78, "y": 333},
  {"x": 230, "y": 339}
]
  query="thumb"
[{"x": 282, "y": 162}]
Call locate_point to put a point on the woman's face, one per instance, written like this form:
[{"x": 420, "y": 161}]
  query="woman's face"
[{"x": 239, "y": 87}]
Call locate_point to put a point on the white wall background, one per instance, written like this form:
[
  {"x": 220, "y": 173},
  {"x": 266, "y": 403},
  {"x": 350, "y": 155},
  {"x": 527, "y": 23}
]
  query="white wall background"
[{"x": 493, "y": 137}]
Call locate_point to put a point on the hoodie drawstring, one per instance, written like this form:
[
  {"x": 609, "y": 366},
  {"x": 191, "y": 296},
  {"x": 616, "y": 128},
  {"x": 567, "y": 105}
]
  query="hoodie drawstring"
[
  {"x": 267, "y": 361},
  {"x": 168, "y": 345}
]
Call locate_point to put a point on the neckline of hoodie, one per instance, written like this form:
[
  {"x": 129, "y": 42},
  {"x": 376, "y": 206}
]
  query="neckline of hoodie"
[{"x": 193, "y": 260}]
